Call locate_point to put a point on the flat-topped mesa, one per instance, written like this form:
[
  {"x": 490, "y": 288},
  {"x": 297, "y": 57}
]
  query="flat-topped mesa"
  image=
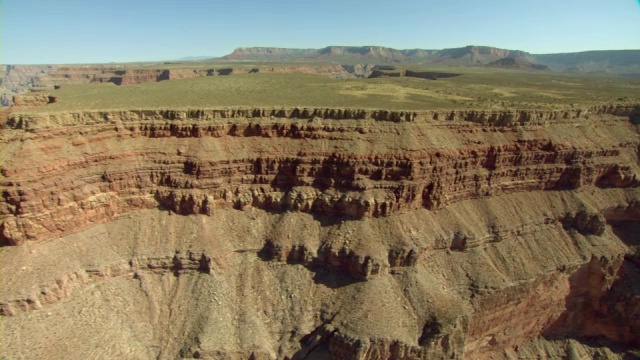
[
  {"x": 377, "y": 54},
  {"x": 484, "y": 50},
  {"x": 58, "y": 177}
]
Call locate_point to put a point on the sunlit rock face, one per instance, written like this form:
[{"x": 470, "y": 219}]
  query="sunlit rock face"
[{"x": 344, "y": 233}]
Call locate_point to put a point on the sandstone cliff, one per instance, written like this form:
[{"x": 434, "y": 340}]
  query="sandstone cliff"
[{"x": 300, "y": 232}]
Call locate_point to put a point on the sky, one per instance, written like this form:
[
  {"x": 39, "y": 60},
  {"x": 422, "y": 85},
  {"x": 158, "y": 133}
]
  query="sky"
[{"x": 85, "y": 31}]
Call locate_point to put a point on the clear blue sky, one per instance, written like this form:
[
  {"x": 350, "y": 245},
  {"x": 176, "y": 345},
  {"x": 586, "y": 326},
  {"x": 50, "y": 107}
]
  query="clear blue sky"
[{"x": 80, "y": 31}]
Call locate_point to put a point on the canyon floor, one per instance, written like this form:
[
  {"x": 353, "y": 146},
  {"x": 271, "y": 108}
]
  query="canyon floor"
[{"x": 300, "y": 212}]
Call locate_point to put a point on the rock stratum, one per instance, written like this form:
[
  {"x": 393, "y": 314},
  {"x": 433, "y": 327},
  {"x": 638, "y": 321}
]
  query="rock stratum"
[{"x": 321, "y": 233}]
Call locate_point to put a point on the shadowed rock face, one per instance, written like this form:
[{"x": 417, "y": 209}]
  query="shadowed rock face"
[
  {"x": 517, "y": 63},
  {"x": 390, "y": 71},
  {"x": 320, "y": 232}
]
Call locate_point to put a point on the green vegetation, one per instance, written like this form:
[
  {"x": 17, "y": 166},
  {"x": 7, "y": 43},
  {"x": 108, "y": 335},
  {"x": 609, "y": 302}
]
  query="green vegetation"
[{"x": 477, "y": 88}]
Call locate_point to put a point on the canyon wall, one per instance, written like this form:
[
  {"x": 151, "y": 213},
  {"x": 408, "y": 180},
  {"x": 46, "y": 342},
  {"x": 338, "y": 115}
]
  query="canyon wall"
[
  {"x": 304, "y": 232},
  {"x": 18, "y": 79}
]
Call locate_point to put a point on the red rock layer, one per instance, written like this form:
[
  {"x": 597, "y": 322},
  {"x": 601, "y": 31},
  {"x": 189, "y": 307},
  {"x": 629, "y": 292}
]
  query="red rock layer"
[
  {"x": 484, "y": 230},
  {"x": 349, "y": 168}
]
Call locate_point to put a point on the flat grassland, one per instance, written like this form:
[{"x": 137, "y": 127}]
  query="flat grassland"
[{"x": 476, "y": 88}]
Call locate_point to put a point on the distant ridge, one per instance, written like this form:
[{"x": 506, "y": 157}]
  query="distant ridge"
[
  {"x": 609, "y": 61},
  {"x": 193, "y": 58},
  {"x": 469, "y": 55},
  {"x": 517, "y": 63}
]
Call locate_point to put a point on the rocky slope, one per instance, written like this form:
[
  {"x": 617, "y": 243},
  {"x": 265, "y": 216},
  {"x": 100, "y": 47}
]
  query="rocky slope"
[{"x": 319, "y": 233}]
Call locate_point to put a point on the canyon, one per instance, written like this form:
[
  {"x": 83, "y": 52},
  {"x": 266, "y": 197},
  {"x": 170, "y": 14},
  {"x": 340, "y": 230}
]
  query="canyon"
[{"x": 319, "y": 232}]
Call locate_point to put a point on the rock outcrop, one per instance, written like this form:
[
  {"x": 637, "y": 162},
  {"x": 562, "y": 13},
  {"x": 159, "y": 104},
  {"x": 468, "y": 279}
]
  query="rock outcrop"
[
  {"x": 300, "y": 232},
  {"x": 18, "y": 79},
  {"x": 31, "y": 100}
]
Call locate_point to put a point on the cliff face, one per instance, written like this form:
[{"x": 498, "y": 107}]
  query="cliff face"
[
  {"x": 316, "y": 232},
  {"x": 19, "y": 79}
]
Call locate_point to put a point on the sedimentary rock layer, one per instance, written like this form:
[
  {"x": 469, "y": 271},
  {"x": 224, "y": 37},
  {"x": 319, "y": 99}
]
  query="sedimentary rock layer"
[
  {"x": 193, "y": 162},
  {"x": 343, "y": 232}
]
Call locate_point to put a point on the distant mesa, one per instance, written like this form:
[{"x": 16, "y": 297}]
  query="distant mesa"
[
  {"x": 267, "y": 53},
  {"x": 469, "y": 55},
  {"x": 517, "y": 63},
  {"x": 477, "y": 55},
  {"x": 391, "y": 71},
  {"x": 607, "y": 61}
]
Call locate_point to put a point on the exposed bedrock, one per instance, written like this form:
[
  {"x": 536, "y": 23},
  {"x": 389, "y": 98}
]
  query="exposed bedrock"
[
  {"x": 501, "y": 118},
  {"x": 19, "y": 79},
  {"x": 316, "y": 233},
  {"x": 197, "y": 285},
  {"x": 31, "y": 100},
  {"x": 57, "y": 180}
]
